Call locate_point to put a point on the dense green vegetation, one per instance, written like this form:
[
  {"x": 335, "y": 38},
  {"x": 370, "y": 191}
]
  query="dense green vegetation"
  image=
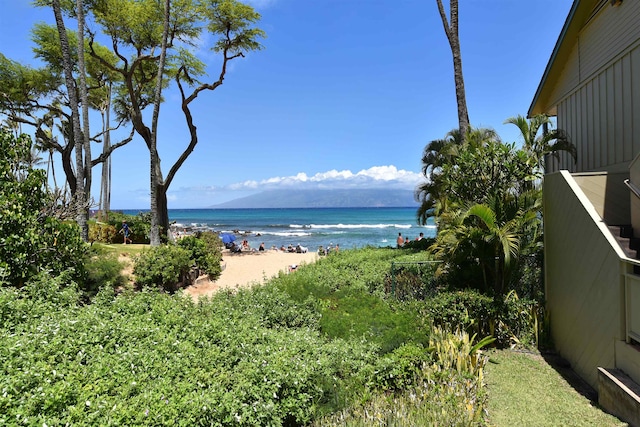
[
  {"x": 33, "y": 237},
  {"x": 486, "y": 198},
  {"x": 268, "y": 356},
  {"x": 107, "y": 228}
]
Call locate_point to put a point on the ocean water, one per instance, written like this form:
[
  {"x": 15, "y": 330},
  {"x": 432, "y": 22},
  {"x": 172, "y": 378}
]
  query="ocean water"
[{"x": 348, "y": 227}]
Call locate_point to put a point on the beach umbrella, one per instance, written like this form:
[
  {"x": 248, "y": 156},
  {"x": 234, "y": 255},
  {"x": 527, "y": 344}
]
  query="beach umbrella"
[{"x": 227, "y": 238}]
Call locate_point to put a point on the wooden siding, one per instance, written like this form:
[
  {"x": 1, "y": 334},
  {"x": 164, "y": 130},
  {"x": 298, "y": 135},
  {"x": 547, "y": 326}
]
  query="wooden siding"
[
  {"x": 597, "y": 97},
  {"x": 582, "y": 277},
  {"x": 602, "y": 118},
  {"x": 608, "y": 34},
  {"x": 612, "y": 32}
]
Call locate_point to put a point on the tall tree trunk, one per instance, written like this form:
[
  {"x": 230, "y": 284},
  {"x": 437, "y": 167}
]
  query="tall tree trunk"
[
  {"x": 163, "y": 211},
  {"x": 53, "y": 169},
  {"x": 84, "y": 97},
  {"x": 159, "y": 209},
  {"x": 451, "y": 30},
  {"x": 105, "y": 179},
  {"x": 79, "y": 198}
]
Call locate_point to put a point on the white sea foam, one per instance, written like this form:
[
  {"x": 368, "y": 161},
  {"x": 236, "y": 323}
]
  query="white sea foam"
[
  {"x": 287, "y": 233},
  {"x": 354, "y": 226}
]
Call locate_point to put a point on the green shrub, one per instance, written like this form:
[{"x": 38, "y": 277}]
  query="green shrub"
[
  {"x": 400, "y": 369},
  {"x": 245, "y": 358},
  {"x": 103, "y": 233},
  {"x": 31, "y": 242},
  {"x": 153, "y": 359},
  {"x": 412, "y": 280},
  {"x": 103, "y": 270},
  {"x": 206, "y": 256},
  {"x": 140, "y": 226},
  {"x": 521, "y": 323},
  {"x": 420, "y": 245},
  {"x": 162, "y": 266},
  {"x": 276, "y": 309},
  {"x": 41, "y": 295},
  {"x": 449, "y": 391},
  {"x": 353, "y": 314},
  {"x": 512, "y": 321},
  {"x": 212, "y": 240},
  {"x": 468, "y": 309}
]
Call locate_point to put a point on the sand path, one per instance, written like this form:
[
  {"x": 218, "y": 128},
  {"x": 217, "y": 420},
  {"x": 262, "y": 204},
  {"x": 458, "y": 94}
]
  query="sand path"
[{"x": 245, "y": 269}]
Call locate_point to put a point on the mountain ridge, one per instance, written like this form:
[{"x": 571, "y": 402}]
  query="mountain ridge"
[{"x": 337, "y": 198}]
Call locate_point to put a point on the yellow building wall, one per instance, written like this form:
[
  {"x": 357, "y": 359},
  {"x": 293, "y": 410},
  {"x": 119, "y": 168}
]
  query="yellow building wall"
[
  {"x": 584, "y": 285},
  {"x": 608, "y": 194}
]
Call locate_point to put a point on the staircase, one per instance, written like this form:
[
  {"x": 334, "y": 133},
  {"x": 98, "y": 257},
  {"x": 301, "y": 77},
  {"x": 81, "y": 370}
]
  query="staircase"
[
  {"x": 627, "y": 241},
  {"x": 617, "y": 392}
]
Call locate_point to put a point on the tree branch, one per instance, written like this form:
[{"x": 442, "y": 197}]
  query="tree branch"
[{"x": 105, "y": 154}]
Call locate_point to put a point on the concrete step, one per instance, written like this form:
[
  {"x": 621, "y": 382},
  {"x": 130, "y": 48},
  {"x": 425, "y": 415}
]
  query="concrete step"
[{"x": 619, "y": 395}]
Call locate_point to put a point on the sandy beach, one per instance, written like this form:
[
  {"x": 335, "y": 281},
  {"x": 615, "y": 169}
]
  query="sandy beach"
[{"x": 245, "y": 269}]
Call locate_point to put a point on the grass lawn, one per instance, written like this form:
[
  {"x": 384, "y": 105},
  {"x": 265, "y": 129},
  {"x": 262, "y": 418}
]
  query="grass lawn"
[
  {"x": 121, "y": 249},
  {"x": 527, "y": 390}
]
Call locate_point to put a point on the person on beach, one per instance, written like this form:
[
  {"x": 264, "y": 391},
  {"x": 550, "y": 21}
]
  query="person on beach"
[
  {"x": 400, "y": 240},
  {"x": 126, "y": 231},
  {"x": 261, "y": 247}
]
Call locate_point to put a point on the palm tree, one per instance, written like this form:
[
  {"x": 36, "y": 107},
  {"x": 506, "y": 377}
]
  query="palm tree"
[
  {"x": 436, "y": 154},
  {"x": 487, "y": 211},
  {"x": 439, "y": 154},
  {"x": 84, "y": 100},
  {"x": 477, "y": 237},
  {"x": 538, "y": 144}
]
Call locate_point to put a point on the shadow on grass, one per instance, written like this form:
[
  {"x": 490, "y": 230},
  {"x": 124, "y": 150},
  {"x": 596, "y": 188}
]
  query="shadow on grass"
[{"x": 563, "y": 367}]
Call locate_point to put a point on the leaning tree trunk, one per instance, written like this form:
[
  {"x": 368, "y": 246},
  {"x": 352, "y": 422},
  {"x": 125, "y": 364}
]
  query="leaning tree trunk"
[
  {"x": 451, "y": 30},
  {"x": 79, "y": 198}
]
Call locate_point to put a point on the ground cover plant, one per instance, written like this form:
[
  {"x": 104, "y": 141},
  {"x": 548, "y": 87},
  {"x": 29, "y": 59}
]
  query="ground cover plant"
[
  {"x": 255, "y": 357},
  {"x": 151, "y": 359},
  {"x": 450, "y": 390}
]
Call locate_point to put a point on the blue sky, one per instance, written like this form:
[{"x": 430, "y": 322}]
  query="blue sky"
[{"x": 345, "y": 94}]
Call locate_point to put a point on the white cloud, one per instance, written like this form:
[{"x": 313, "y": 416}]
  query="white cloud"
[
  {"x": 374, "y": 177},
  {"x": 387, "y": 177}
]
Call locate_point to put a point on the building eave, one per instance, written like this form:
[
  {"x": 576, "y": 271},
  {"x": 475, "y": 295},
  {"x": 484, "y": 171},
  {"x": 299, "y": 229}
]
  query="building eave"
[{"x": 580, "y": 13}]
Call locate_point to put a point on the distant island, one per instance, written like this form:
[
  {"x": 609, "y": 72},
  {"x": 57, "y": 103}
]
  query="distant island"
[{"x": 371, "y": 198}]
